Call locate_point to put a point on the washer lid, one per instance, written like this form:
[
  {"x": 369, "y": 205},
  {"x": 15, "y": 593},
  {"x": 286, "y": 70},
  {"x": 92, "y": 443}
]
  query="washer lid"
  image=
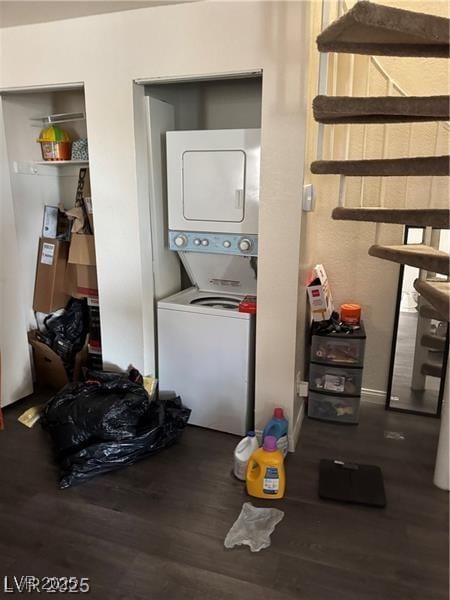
[{"x": 218, "y": 273}]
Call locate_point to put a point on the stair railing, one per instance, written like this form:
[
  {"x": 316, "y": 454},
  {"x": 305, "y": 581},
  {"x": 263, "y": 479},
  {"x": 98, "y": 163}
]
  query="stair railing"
[
  {"x": 430, "y": 237},
  {"x": 391, "y": 87}
]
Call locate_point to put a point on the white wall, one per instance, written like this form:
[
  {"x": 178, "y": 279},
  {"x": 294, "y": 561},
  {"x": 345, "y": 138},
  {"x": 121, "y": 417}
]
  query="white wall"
[
  {"x": 223, "y": 104},
  {"x": 16, "y": 379},
  {"x": 24, "y": 12},
  {"x": 107, "y": 52}
]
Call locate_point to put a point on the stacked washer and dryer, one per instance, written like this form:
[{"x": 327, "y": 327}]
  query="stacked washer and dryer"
[{"x": 205, "y": 344}]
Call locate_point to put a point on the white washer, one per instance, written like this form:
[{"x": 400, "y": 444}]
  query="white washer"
[{"x": 206, "y": 355}]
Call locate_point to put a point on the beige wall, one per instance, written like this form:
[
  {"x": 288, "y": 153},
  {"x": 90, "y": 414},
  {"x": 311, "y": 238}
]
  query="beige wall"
[
  {"x": 342, "y": 246},
  {"x": 107, "y": 52},
  {"x": 24, "y": 12}
]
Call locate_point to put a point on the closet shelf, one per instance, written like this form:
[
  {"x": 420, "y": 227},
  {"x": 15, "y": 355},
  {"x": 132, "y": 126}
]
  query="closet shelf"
[
  {"x": 57, "y": 118},
  {"x": 60, "y": 163}
]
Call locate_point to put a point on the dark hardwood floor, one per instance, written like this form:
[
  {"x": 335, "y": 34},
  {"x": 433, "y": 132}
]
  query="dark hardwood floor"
[{"x": 155, "y": 531}]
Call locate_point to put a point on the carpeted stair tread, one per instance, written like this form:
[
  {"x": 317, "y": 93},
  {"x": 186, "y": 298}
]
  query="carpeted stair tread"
[
  {"x": 415, "y": 255},
  {"x": 380, "y": 109},
  {"x": 436, "y": 342},
  {"x": 438, "y": 218},
  {"x": 429, "y": 312},
  {"x": 384, "y": 167},
  {"x": 437, "y": 293},
  {"x": 431, "y": 369},
  {"x": 384, "y": 31}
]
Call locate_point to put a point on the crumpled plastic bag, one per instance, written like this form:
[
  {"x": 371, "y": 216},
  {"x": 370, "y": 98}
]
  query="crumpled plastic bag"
[
  {"x": 109, "y": 422},
  {"x": 253, "y": 527}
]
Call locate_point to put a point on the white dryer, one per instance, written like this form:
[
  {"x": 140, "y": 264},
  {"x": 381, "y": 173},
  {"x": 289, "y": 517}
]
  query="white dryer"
[
  {"x": 206, "y": 346},
  {"x": 213, "y": 190}
]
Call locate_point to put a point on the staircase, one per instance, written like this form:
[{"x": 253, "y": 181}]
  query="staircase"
[{"x": 373, "y": 29}]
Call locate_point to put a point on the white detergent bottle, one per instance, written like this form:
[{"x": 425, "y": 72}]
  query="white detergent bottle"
[{"x": 242, "y": 454}]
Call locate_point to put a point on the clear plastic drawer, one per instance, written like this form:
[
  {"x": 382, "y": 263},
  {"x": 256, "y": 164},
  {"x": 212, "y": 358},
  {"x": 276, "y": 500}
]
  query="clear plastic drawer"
[
  {"x": 340, "y": 409},
  {"x": 338, "y": 350},
  {"x": 338, "y": 380}
]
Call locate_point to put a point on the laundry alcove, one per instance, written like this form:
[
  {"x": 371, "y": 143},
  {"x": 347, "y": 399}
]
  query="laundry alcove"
[{"x": 213, "y": 111}]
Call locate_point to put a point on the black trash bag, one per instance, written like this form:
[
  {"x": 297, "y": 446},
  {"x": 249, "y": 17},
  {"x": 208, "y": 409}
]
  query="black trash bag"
[
  {"x": 66, "y": 333},
  {"x": 108, "y": 422},
  {"x": 166, "y": 421},
  {"x": 107, "y": 407}
]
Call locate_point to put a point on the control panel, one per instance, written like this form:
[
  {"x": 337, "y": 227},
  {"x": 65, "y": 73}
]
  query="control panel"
[{"x": 216, "y": 243}]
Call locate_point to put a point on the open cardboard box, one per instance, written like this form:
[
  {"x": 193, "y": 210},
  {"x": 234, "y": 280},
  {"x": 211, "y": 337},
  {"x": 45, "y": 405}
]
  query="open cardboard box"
[
  {"x": 50, "y": 290},
  {"x": 49, "y": 368},
  {"x": 81, "y": 272},
  {"x": 319, "y": 294}
]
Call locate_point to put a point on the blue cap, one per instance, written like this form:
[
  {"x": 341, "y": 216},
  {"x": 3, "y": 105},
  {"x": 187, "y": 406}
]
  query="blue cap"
[{"x": 251, "y": 433}]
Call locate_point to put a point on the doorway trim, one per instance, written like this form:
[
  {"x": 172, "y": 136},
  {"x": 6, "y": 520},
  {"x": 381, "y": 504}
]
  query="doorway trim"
[{"x": 387, "y": 404}]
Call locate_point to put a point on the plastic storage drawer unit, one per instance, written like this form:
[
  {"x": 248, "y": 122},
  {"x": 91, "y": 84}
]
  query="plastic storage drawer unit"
[
  {"x": 337, "y": 380},
  {"x": 341, "y": 409},
  {"x": 339, "y": 348}
]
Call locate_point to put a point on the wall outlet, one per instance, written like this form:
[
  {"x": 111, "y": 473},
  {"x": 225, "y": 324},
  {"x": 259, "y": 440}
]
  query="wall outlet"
[
  {"x": 24, "y": 168},
  {"x": 309, "y": 199},
  {"x": 302, "y": 386},
  {"x": 302, "y": 389}
]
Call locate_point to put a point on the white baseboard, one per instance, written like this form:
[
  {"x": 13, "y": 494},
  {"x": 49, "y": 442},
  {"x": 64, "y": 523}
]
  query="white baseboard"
[{"x": 373, "y": 396}]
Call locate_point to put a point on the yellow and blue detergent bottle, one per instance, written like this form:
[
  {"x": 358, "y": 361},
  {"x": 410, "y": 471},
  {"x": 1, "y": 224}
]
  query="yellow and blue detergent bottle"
[{"x": 266, "y": 477}]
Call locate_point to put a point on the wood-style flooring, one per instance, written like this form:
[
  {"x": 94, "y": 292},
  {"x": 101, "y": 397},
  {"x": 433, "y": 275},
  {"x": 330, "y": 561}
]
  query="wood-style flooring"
[{"x": 155, "y": 530}]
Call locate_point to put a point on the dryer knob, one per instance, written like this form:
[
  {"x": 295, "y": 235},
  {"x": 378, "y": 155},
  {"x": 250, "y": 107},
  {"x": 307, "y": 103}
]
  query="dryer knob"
[
  {"x": 245, "y": 245},
  {"x": 180, "y": 241},
  {"x": 205, "y": 243},
  {"x": 227, "y": 244},
  {"x": 197, "y": 242}
]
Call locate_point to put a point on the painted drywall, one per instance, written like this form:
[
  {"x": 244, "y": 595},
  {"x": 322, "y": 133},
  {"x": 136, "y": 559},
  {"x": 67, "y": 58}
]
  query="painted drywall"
[
  {"x": 198, "y": 38},
  {"x": 420, "y": 76},
  {"x": 219, "y": 104},
  {"x": 16, "y": 380},
  {"x": 23, "y": 12},
  {"x": 342, "y": 246}
]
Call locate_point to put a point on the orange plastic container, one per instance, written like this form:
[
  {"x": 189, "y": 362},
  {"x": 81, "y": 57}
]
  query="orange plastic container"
[
  {"x": 56, "y": 150},
  {"x": 266, "y": 477},
  {"x": 350, "y": 314},
  {"x": 55, "y": 143}
]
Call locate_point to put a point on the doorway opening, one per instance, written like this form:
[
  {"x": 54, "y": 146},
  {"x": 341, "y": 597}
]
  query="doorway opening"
[{"x": 420, "y": 343}]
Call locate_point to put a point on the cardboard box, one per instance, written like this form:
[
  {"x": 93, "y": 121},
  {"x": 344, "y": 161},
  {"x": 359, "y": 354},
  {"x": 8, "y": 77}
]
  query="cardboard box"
[
  {"x": 82, "y": 250},
  {"x": 319, "y": 294},
  {"x": 81, "y": 281},
  {"x": 81, "y": 274},
  {"x": 48, "y": 366},
  {"x": 55, "y": 225},
  {"x": 50, "y": 287}
]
